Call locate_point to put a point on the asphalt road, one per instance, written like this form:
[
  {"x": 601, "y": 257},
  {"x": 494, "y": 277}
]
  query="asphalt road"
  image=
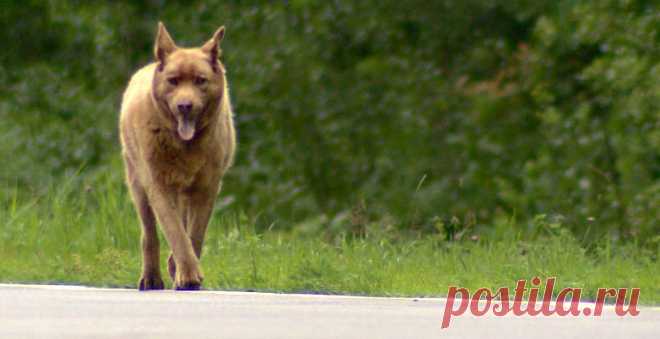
[{"x": 31, "y": 311}]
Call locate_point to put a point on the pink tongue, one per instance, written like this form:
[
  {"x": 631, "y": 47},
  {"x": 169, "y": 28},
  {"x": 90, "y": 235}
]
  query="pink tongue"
[{"x": 186, "y": 130}]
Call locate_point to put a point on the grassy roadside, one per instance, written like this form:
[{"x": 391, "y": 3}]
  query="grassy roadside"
[{"x": 94, "y": 240}]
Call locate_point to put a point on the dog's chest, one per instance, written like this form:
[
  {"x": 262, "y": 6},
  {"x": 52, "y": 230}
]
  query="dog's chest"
[{"x": 180, "y": 164}]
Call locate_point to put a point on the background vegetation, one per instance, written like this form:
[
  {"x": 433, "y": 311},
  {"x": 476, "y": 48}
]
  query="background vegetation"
[{"x": 438, "y": 119}]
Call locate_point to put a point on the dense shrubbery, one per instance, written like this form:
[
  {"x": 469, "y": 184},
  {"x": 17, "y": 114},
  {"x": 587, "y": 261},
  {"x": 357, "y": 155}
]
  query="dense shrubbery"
[{"x": 413, "y": 113}]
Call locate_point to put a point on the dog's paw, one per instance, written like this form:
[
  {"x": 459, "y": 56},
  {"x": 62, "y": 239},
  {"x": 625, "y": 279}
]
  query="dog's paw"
[
  {"x": 189, "y": 286},
  {"x": 153, "y": 282},
  {"x": 188, "y": 279}
]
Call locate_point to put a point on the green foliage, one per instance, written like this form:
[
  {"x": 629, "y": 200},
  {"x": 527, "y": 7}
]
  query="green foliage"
[{"x": 435, "y": 116}]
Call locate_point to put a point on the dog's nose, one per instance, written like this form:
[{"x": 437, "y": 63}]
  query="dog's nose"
[{"x": 185, "y": 107}]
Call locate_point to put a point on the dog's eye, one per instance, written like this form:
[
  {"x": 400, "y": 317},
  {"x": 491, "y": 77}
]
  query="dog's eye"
[
  {"x": 200, "y": 80},
  {"x": 173, "y": 81}
]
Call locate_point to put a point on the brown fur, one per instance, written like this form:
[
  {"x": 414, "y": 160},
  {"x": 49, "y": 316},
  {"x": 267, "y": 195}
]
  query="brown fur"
[{"x": 175, "y": 157}]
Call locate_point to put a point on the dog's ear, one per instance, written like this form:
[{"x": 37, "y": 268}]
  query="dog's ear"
[
  {"x": 164, "y": 45},
  {"x": 212, "y": 47}
]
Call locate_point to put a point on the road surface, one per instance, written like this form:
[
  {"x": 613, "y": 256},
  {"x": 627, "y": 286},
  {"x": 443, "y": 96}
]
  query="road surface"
[{"x": 33, "y": 311}]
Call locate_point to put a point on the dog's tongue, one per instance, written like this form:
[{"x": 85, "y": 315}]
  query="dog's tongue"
[{"x": 186, "y": 129}]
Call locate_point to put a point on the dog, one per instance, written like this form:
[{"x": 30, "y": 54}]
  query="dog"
[{"x": 178, "y": 140}]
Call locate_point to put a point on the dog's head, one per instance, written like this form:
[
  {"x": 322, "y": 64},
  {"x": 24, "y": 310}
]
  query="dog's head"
[{"x": 188, "y": 83}]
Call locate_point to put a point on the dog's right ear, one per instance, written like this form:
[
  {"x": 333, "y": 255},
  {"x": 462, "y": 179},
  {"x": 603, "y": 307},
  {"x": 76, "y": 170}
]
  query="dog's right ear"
[{"x": 164, "y": 45}]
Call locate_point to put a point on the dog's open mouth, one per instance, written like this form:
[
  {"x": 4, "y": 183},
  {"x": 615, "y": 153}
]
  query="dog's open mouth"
[{"x": 186, "y": 129}]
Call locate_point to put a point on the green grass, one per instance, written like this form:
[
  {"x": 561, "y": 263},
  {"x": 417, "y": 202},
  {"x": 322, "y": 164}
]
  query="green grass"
[{"x": 91, "y": 237}]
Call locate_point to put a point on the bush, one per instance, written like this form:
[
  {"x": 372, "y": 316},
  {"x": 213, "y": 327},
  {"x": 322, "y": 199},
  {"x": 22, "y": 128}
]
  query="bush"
[{"x": 417, "y": 111}]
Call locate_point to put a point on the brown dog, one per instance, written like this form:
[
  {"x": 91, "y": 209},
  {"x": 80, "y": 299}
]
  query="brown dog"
[{"x": 178, "y": 140}]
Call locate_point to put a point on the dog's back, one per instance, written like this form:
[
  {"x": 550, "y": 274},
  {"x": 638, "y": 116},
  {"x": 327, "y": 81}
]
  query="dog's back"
[{"x": 136, "y": 111}]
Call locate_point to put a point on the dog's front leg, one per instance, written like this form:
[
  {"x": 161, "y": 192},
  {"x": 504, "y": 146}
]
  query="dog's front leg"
[
  {"x": 163, "y": 200},
  {"x": 200, "y": 208},
  {"x": 197, "y": 207}
]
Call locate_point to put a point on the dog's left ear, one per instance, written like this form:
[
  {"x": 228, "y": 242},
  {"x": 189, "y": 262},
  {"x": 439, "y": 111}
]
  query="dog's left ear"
[{"x": 212, "y": 47}]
